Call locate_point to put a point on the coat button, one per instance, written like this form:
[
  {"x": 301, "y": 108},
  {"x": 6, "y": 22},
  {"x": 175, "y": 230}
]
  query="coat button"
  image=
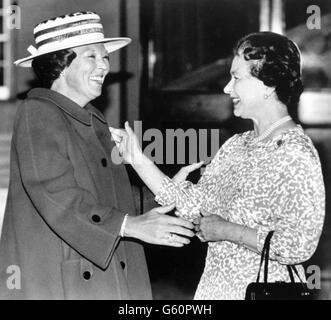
[
  {"x": 96, "y": 218},
  {"x": 122, "y": 264},
  {"x": 104, "y": 162},
  {"x": 279, "y": 143},
  {"x": 87, "y": 275}
]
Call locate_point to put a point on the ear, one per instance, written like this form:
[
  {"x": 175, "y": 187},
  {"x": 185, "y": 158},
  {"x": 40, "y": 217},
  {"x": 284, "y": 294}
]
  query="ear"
[{"x": 59, "y": 82}]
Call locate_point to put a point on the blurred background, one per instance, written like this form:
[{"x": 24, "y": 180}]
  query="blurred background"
[{"x": 172, "y": 76}]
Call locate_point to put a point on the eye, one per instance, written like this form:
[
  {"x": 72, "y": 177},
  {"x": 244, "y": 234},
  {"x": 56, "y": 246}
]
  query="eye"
[
  {"x": 106, "y": 57},
  {"x": 91, "y": 56}
]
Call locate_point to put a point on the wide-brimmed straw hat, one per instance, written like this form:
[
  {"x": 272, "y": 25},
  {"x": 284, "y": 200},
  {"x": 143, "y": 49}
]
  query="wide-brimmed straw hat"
[{"x": 69, "y": 31}]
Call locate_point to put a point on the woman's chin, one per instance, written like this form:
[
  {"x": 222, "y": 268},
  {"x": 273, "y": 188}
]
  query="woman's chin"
[{"x": 237, "y": 113}]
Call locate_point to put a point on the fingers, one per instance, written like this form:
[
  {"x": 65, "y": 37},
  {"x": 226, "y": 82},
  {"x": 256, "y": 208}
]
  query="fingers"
[
  {"x": 182, "y": 231},
  {"x": 201, "y": 236},
  {"x": 112, "y": 130},
  {"x": 117, "y": 134},
  {"x": 193, "y": 166},
  {"x": 128, "y": 128},
  {"x": 197, "y": 228},
  {"x": 175, "y": 240},
  {"x": 165, "y": 209},
  {"x": 177, "y": 213},
  {"x": 182, "y": 174},
  {"x": 117, "y": 139},
  {"x": 116, "y": 131},
  {"x": 197, "y": 221},
  {"x": 179, "y": 222}
]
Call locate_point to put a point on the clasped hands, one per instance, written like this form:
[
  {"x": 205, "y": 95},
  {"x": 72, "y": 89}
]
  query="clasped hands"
[
  {"x": 211, "y": 227},
  {"x": 155, "y": 226}
]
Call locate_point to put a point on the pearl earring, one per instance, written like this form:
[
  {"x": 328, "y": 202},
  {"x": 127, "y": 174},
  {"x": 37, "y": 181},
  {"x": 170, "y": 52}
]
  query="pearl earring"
[
  {"x": 266, "y": 96},
  {"x": 61, "y": 74}
]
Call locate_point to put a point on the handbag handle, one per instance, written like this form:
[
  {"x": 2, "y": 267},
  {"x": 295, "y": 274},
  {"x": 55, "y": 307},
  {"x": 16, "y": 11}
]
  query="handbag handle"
[
  {"x": 265, "y": 251},
  {"x": 265, "y": 257}
]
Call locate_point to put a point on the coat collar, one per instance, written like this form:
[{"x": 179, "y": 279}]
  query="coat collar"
[{"x": 67, "y": 105}]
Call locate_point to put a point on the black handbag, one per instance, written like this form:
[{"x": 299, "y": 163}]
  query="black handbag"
[{"x": 280, "y": 290}]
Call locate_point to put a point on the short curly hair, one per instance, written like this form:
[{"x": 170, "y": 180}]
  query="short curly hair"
[
  {"x": 49, "y": 66},
  {"x": 276, "y": 62}
]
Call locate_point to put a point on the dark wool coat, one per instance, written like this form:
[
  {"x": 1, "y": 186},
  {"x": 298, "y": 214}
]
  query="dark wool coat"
[{"x": 66, "y": 203}]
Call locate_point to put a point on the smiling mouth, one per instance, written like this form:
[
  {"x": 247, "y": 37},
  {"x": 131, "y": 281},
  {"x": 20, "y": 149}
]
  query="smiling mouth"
[{"x": 98, "y": 79}]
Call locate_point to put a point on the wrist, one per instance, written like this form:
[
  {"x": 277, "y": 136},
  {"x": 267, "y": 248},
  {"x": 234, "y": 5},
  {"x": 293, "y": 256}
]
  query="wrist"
[
  {"x": 141, "y": 160},
  {"x": 234, "y": 232},
  {"x": 129, "y": 227}
]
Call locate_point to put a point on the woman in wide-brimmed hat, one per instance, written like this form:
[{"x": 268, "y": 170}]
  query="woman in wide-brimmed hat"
[{"x": 69, "y": 207}]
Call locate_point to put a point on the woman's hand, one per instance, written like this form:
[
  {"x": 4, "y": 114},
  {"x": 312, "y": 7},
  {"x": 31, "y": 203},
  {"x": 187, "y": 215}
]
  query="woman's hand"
[
  {"x": 156, "y": 227},
  {"x": 212, "y": 228},
  {"x": 127, "y": 143},
  {"x": 182, "y": 174}
]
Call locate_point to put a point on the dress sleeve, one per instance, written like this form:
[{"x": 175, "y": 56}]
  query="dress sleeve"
[
  {"x": 299, "y": 221},
  {"x": 188, "y": 197},
  {"x": 47, "y": 173}
]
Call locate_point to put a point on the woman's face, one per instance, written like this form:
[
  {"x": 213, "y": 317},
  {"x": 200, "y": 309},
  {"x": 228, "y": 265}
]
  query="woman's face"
[
  {"x": 83, "y": 79},
  {"x": 246, "y": 91}
]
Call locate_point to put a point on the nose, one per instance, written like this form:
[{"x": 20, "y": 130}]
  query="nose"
[
  {"x": 103, "y": 64},
  {"x": 228, "y": 88}
]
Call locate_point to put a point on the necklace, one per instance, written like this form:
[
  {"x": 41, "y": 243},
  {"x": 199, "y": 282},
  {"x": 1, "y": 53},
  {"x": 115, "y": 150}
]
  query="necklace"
[{"x": 272, "y": 128}]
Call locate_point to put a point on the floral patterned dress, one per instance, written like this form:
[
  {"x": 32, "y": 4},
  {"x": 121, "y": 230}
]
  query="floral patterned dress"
[{"x": 268, "y": 185}]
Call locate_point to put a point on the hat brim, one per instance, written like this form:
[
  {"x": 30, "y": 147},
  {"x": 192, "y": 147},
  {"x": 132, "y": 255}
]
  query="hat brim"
[{"x": 111, "y": 45}]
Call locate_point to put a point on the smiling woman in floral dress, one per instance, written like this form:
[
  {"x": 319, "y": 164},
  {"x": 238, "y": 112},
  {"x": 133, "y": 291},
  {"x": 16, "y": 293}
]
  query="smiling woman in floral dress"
[{"x": 261, "y": 180}]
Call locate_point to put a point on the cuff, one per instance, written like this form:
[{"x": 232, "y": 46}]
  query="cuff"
[{"x": 123, "y": 226}]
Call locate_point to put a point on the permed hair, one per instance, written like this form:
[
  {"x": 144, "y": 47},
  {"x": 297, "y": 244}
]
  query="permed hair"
[
  {"x": 276, "y": 61},
  {"x": 49, "y": 66}
]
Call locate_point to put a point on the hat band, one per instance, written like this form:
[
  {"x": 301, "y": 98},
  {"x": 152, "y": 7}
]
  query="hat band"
[
  {"x": 65, "y": 26},
  {"x": 70, "y": 35}
]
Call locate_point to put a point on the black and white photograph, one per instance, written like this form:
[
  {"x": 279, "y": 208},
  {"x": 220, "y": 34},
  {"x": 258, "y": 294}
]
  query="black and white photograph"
[{"x": 165, "y": 150}]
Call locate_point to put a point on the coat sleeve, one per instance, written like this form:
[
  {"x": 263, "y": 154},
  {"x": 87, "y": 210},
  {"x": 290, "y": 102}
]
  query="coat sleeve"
[{"x": 70, "y": 211}]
